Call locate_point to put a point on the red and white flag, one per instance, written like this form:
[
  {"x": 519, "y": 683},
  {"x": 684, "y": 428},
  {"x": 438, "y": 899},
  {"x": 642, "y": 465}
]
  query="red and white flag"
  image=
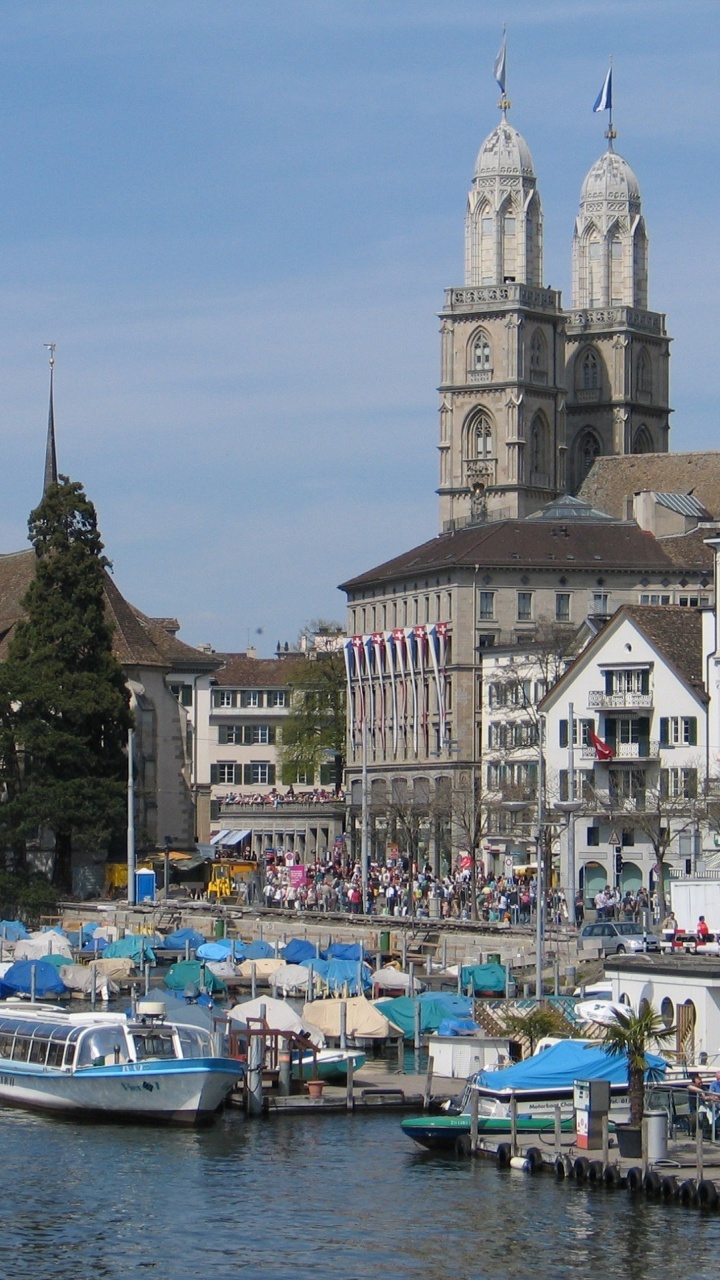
[{"x": 602, "y": 750}]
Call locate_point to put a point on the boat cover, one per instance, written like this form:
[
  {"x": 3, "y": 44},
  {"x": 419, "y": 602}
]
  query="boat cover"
[
  {"x": 458, "y": 1027},
  {"x": 291, "y": 978},
  {"x": 13, "y": 930},
  {"x": 298, "y": 950},
  {"x": 222, "y": 949},
  {"x": 259, "y": 950},
  {"x": 364, "y": 1020},
  {"x": 191, "y": 972},
  {"x": 79, "y": 977},
  {"x": 40, "y": 945},
  {"x": 18, "y": 979},
  {"x": 392, "y": 979},
  {"x": 176, "y": 941},
  {"x": 338, "y": 974},
  {"x": 279, "y": 1015},
  {"x": 434, "y": 1009},
  {"x": 562, "y": 1064},
  {"x": 263, "y": 968},
  {"x": 344, "y": 951},
  {"x": 136, "y": 946},
  {"x": 484, "y": 977},
  {"x": 95, "y": 946}
]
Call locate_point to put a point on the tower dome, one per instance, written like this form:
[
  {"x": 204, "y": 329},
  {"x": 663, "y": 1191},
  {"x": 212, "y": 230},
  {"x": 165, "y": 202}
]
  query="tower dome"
[
  {"x": 503, "y": 222},
  {"x": 610, "y": 240}
]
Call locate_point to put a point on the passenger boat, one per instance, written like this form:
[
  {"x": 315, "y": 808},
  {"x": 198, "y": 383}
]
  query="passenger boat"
[
  {"x": 538, "y": 1085},
  {"x": 141, "y": 1066}
]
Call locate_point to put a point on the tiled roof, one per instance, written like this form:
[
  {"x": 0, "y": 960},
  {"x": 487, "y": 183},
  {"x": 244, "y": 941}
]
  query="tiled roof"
[
  {"x": 138, "y": 641},
  {"x": 688, "y": 550},
  {"x": 677, "y": 633},
  {"x": 611, "y": 481},
  {"x": 536, "y": 544},
  {"x": 238, "y": 671}
]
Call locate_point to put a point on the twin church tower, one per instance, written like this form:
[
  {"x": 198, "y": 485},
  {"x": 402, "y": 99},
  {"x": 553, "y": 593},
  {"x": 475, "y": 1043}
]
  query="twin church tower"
[{"x": 531, "y": 394}]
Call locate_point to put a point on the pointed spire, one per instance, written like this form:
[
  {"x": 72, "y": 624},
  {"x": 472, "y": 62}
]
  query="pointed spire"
[{"x": 51, "y": 472}]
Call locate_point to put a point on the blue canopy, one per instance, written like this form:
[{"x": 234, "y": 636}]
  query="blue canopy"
[
  {"x": 484, "y": 977},
  {"x": 95, "y": 945},
  {"x": 259, "y": 950},
  {"x": 435, "y": 1008},
  {"x": 176, "y": 941},
  {"x": 222, "y": 949},
  {"x": 134, "y": 945},
  {"x": 562, "y": 1064},
  {"x": 18, "y": 979},
  {"x": 345, "y": 951},
  {"x": 457, "y": 1027},
  {"x": 298, "y": 951},
  {"x": 337, "y": 973},
  {"x": 13, "y": 930}
]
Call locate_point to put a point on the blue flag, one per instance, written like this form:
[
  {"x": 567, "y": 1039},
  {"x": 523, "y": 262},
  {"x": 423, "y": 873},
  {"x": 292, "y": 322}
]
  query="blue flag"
[
  {"x": 603, "y": 102},
  {"x": 499, "y": 63}
]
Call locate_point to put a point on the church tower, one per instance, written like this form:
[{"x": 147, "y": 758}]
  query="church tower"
[
  {"x": 502, "y": 400},
  {"x": 618, "y": 351}
]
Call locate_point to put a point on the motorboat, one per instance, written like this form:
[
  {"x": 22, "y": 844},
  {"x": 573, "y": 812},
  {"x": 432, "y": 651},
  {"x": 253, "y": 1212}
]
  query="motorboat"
[
  {"x": 137, "y": 1066},
  {"x": 536, "y": 1087}
]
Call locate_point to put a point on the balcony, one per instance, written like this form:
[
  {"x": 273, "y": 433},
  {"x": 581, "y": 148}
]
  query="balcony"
[
  {"x": 619, "y": 701},
  {"x": 645, "y": 750}
]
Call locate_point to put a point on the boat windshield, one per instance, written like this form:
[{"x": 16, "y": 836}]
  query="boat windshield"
[
  {"x": 194, "y": 1042},
  {"x": 154, "y": 1042},
  {"x": 102, "y": 1047},
  {"x": 43, "y": 1044}
]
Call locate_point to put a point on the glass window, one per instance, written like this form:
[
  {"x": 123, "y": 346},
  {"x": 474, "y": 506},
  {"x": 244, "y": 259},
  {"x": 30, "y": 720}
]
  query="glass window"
[
  {"x": 562, "y": 606},
  {"x": 600, "y": 602},
  {"x": 524, "y": 606},
  {"x": 487, "y": 605}
]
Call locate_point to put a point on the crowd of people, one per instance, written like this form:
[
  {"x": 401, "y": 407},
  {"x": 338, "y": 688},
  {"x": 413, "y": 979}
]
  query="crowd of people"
[
  {"x": 274, "y": 799},
  {"x": 612, "y": 904}
]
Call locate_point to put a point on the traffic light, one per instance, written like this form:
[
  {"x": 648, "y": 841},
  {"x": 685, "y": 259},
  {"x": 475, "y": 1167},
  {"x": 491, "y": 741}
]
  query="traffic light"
[{"x": 618, "y": 863}]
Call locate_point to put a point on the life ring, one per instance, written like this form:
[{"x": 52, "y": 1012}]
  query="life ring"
[
  {"x": 651, "y": 1184},
  {"x": 534, "y": 1159},
  {"x": 581, "y": 1168},
  {"x": 686, "y": 1194},
  {"x": 707, "y": 1194},
  {"x": 669, "y": 1187},
  {"x": 595, "y": 1171},
  {"x": 634, "y": 1179},
  {"x": 503, "y": 1155}
]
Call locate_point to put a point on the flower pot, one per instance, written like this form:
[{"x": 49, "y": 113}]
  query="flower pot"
[
  {"x": 315, "y": 1088},
  {"x": 629, "y": 1140}
]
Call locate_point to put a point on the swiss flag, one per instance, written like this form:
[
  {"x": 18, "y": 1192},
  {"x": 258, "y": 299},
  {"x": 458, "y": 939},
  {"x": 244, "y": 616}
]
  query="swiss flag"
[{"x": 602, "y": 750}]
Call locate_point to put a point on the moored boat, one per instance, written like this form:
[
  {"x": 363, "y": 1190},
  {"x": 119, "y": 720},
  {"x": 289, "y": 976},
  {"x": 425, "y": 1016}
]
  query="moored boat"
[
  {"x": 442, "y": 1132},
  {"x": 141, "y": 1066}
]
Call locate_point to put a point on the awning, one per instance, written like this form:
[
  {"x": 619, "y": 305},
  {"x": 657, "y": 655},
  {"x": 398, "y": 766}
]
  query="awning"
[
  {"x": 236, "y": 837},
  {"x": 219, "y": 837}
]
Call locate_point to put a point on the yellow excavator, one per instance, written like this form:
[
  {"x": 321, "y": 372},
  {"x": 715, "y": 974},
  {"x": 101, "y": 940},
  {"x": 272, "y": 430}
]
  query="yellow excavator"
[{"x": 234, "y": 878}]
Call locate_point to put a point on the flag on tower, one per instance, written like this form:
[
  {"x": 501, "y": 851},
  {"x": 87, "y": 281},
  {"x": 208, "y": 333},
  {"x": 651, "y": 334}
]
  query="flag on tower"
[
  {"x": 499, "y": 63},
  {"x": 603, "y": 102}
]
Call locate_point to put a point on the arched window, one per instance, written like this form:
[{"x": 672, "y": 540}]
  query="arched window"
[
  {"x": 589, "y": 370},
  {"x": 539, "y": 447},
  {"x": 479, "y": 438},
  {"x": 481, "y": 354},
  {"x": 643, "y": 377},
  {"x": 588, "y": 449},
  {"x": 538, "y": 357},
  {"x": 616, "y": 272},
  {"x": 643, "y": 441}
]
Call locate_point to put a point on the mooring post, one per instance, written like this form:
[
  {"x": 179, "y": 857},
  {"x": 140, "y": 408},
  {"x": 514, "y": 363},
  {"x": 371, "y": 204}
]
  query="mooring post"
[
  {"x": 349, "y": 1093},
  {"x": 33, "y": 982},
  {"x": 401, "y": 1055},
  {"x": 428, "y": 1083},
  {"x": 93, "y": 985},
  {"x": 254, "y": 1076},
  {"x": 444, "y": 951},
  {"x": 411, "y": 980},
  {"x": 253, "y": 981},
  {"x": 699, "y": 1165},
  {"x": 605, "y": 1140},
  {"x": 147, "y": 979},
  {"x": 513, "y": 1123},
  {"x": 558, "y": 1130},
  {"x": 556, "y": 975},
  {"x": 474, "y": 1120},
  {"x": 284, "y": 1066},
  {"x": 187, "y": 949},
  {"x": 404, "y": 951},
  {"x": 343, "y": 1025},
  {"x": 310, "y": 984}
]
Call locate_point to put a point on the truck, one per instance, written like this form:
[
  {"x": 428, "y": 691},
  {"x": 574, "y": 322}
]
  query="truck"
[{"x": 691, "y": 898}]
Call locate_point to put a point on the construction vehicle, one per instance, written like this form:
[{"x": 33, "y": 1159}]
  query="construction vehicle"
[{"x": 234, "y": 878}]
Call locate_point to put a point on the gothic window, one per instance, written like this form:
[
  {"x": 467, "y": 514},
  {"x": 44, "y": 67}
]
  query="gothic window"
[
  {"x": 644, "y": 374},
  {"x": 481, "y": 353},
  {"x": 539, "y": 448},
  {"x": 643, "y": 441},
  {"x": 589, "y": 379},
  {"x": 538, "y": 357},
  {"x": 616, "y": 273},
  {"x": 587, "y": 451},
  {"x": 479, "y": 438}
]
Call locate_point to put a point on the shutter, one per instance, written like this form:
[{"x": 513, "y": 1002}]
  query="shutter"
[
  {"x": 692, "y": 731},
  {"x": 563, "y": 733},
  {"x": 261, "y": 699},
  {"x": 248, "y": 735},
  {"x": 271, "y": 774},
  {"x": 608, "y": 684},
  {"x": 664, "y": 783},
  {"x": 247, "y": 775},
  {"x": 213, "y": 774},
  {"x": 611, "y": 732},
  {"x": 644, "y": 681},
  {"x": 237, "y": 774},
  {"x": 643, "y": 735},
  {"x": 223, "y": 735},
  {"x": 243, "y": 698},
  {"x": 563, "y": 779},
  {"x": 691, "y": 783},
  {"x": 271, "y": 735},
  {"x": 664, "y": 731}
]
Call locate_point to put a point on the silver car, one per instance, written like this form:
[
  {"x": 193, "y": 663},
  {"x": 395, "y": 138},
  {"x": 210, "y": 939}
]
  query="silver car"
[{"x": 616, "y": 936}]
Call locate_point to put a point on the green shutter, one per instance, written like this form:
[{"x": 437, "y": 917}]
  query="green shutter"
[
  {"x": 664, "y": 783},
  {"x": 644, "y": 681},
  {"x": 213, "y": 774},
  {"x": 271, "y": 775},
  {"x": 563, "y": 733},
  {"x": 691, "y": 788},
  {"x": 643, "y": 735},
  {"x": 664, "y": 731},
  {"x": 611, "y": 732},
  {"x": 608, "y": 683},
  {"x": 248, "y": 735},
  {"x": 271, "y": 735},
  {"x": 692, "y": 731},
  {"x": 222, "y": 734},
  {"x": 247, "y": 775}
]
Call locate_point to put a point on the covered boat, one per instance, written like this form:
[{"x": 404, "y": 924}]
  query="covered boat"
[{"x": 138, "y": 1067}]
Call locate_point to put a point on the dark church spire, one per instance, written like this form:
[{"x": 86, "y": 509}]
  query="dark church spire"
[{"x": 51, "y": 472}]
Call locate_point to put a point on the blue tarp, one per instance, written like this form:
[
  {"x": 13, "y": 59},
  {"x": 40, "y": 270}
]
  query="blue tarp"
[
  {"x": 13, "y": 930},
  {"x": 344, "y": 951},
  {"x": 134, "y": 945},
  {"x": 299, "y": 951},
  {"x": 337, "y": 973},
  {"x": 457, "y": 1027},
  {"x": 435, "y": 1008},
  {"x": 95, "y": 945},
  {"x": 18, "y": 979},
  {"x": 176, "y": 941},
  {"x": 562, "y": 1064},
  {"x": 484, "y": 977},
  {"x": 188, "y": 972},
  {"x": 222, "y": 949},
  {"x": 259, "y": 951}
]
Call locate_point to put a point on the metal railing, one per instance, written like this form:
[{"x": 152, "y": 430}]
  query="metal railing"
[{"x": 618, "y": 701}]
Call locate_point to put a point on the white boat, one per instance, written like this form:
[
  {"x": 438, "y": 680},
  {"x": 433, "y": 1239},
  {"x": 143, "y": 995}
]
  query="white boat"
[{"x": 142, "y": 1066}]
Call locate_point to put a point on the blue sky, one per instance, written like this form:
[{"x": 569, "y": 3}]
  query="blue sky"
[{"x": 236, "y": 220}]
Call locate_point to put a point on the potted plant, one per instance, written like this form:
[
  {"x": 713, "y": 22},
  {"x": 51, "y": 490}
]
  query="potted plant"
[{"x": 630, "y": 1035}]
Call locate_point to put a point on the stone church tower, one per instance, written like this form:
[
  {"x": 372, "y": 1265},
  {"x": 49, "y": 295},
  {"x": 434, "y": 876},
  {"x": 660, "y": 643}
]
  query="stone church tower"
[
  {"x": 502, "y": 402},
  {"x": 530, "y": 395}
]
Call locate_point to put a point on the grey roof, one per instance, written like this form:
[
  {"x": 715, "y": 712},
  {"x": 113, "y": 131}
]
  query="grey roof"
[
  {"x": 566, "y": 507},
  {"x": 686, "y": 504}
]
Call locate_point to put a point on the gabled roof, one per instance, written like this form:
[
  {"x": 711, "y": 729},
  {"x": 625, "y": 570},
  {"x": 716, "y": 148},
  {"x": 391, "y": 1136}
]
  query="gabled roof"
[
  {"x": 689, "y": 550},
  {"x": 675, "y": 632},
  {"x": 611, "y": 481},
  {"x": 238, "y": 671}
]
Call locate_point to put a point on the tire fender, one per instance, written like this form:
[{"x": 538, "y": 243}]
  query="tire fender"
[
  {"x": 634, "y": 1179},
  {"x": 534, "y": 1158},
  {"x": 581, "y": 1168},
  {"x": 560, "y": 1170},
  {"x": 707, "y": 1194},
  {"x": 651, "y": 1184},
  {"x": 503, "y": 1155},
  {"x": 595, "y": 1171},
  {"x": 463, "y": 1145},
  {"x": 612, "y": 1176},
  {"x": 669, "y": 1187},
  {"x": 686, "y": 1194}
]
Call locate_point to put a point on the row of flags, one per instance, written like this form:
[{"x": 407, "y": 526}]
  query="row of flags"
[
  {"x": 603, "y": 102},
  {"x": 389, "y": 674}
]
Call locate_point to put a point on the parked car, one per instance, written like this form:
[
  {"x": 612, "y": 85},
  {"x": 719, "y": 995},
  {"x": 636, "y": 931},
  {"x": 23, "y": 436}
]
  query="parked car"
[{"x": 616, "y": 936}]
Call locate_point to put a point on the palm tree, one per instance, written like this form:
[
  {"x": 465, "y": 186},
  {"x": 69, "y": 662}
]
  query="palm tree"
[{"x": 631, "y": 1035}]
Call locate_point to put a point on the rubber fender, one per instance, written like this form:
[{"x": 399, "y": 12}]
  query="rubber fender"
[
  {"x": 595, "y": 1171},
  {"x": 503, "y": 1155},
  {"x": 534, "y": 1158},
  {"x": 651, "y": 1184},
  {"x": 560, "y": 1170},
  {"x": 707, "y": 1194},
  {"x": 686, "y": 1194},
  {"x": 463, "y": 1145},
  {"x": 634, "y": 1179},
  {"x": 581, "y": 1168},
  {"x": 519, "y": 1162},
  {"x": 669, "y": 1187},
  {"x": 612, "y": 1176}
]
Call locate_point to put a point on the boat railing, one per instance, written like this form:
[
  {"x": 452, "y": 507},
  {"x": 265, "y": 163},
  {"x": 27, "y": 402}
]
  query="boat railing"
[{"x": 275, "y": 1042}]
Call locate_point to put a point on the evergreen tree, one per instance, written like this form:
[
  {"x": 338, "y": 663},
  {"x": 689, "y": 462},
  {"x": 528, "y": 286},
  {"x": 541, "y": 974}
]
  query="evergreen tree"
[{"x": 64, "y": 705}]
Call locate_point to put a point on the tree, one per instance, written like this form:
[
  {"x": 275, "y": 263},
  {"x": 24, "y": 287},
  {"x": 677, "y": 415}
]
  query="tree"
[
  {"x": 64, "y": 705},
  {"x": 314, "y": 730},
  {"x": 542, "y": 1020},
  {"x": 631, "y": 1035}
]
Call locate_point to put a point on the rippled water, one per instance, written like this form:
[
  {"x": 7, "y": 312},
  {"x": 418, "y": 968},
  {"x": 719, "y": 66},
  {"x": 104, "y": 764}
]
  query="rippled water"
[{"x": 291, "y": 1198}]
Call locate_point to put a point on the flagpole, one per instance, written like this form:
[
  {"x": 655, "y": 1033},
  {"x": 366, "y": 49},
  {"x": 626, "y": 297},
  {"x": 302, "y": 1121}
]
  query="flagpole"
[{"x": 611, "y": 134}]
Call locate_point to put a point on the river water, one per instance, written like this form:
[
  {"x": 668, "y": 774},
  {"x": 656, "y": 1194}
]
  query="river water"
[{"x": 329, "y": 1197}]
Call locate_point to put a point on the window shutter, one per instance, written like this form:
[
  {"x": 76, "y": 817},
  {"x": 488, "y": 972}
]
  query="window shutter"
[
  {"x": 271, "y": 735},
  {"x": 664, "y": 731},
  {"x": 247, "y": 735},
  {"x": 563, "y": 733},
  {"x": 691, "y": 789},
  {"x": 611, "y": 732},
  {"x": 271, "y": 774},
  {"x": 261, "y": 699},
  {"x": 247, "y": 775},
  {"x": 237, "y": 774},
  {"x": 243, "y": 698},
  {"x": 644, "y": 681},
  {"x": 222, "y": 734},
  {"x": 664, "y": 783},
  {"x": 692, "y": 731},
  {"x": 213, "y": 774},
  {"x": 563, "y": 780},
  {"x": 608, "y": 683},
  {"x": 644, "y": 735}
]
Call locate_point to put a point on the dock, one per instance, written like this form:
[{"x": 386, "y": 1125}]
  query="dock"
[{"x": 373, "y": 1087}]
